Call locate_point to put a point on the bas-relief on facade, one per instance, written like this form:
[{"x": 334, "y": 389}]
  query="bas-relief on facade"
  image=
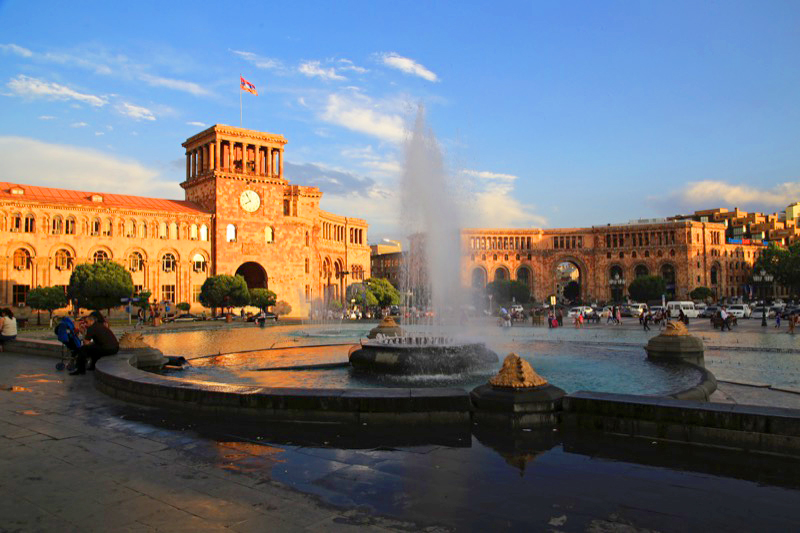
[
  {"x": 240, "y": 216},
  {"x": 688, "y": 254}
]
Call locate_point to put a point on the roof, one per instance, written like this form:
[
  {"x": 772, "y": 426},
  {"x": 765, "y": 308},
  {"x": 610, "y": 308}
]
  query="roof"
[{"x": 49, "y": 195}]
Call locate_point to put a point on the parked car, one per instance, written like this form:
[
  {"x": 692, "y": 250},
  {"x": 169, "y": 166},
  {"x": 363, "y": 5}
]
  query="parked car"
[
  {"x": 637, "y": 309},
  {"x": 760, "y": 310},
  {"x": 687, "y": 307},
  {"x": 581, "y": 309},
  {"x": 185, "y": 317},
  {"x": 739, "y": 310},
  {"x": 268, "y": 315},
  {"x": 709, "y": 311}
]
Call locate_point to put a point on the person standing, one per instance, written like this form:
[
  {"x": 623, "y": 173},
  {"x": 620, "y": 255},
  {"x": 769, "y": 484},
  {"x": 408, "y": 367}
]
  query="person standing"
[
  {"x": 618, "y": 316},
  {"x": 723, "y": 316},
  {"x": 8, "y": 327},
  {"x": 645, "y": 321},
  {"x": 98, "y": 341}
]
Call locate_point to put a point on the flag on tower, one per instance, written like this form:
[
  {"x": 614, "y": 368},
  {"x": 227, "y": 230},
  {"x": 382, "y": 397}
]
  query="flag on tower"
[{"x": 247, "y": 86}]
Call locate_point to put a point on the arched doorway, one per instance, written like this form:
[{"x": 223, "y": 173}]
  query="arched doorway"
[
  {"x": 568, "y": 282},
  {"x": 501, "y": 274},
  {"x": 641, "y": 271},
  {"x": 478, "y": 278},
  {"x": 254, "y": 274},
  {"x": 524, "y": 276},
  {"x": 668, "y": 273}
]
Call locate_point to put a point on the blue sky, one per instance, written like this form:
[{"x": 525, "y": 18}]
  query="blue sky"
[{"x": 550, "y": 114}]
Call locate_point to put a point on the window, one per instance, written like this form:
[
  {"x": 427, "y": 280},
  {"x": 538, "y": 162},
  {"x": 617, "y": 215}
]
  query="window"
[
  {"x": 193, "y": 232},
  {"x": 138, "y": 289},
  {"x": 269, "y": 234},
  {"x": 57, "y": 227},
  {"x": 286, "y": 208},
  {"x": 30, "y": 223},
  {"x": 308, "y": 240},
  {"x": 230, "y": 233},
  {"x": 199, "y": 263},
  {"x": 168, "y": 293},
  {"x": 196, "y": 293},
  {"x": 173, "y": 231},
  {"x": 142, "y": 230},
  {"x": 168, "y": 263},
  {"x": 107, "y": 227},
  {"x": 307, "y": 266},
  {"x": 63, "y": 260},
  {"x": 162, "y": 230},
  {"x": 203, "y": 232},
  {"x": 94, "y": 229},
  {"x": 99, "y": 255},
  {"x": 16, "y": 222},
  {"x": 135, "y": 262},
  {"x": 69, "y": 226},
  {"x": 130, "y": 229},
  {"x": 22, "y": 259},
  {"x": 308, "y": 293},
  {"x": 19, "y": 294}
]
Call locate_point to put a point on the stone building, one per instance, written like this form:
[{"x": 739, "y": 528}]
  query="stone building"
[
  {"x": 605, "y": 259},
  {"x": 240, "y": 216}
]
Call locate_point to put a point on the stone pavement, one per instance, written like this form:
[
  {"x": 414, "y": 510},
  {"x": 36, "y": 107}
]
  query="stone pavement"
[{"x": 72, "y": 459}]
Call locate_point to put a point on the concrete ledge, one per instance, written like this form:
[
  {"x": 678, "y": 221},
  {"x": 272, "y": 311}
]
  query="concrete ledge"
[
  {"x": 700, "y": 392},
  {"x": 47, "y": 348},
  {"x": 763, "y": 429},
  {"x": 116, "y": 377}
]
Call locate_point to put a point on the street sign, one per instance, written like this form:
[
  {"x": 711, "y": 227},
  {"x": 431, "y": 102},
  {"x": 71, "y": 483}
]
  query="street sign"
[
  {"x": 124, "y": 300},
  {"x": 552, "y": 300}
]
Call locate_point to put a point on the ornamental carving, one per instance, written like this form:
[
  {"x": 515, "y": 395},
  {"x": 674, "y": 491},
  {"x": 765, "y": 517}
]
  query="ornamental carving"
[
  {"x": 675, "y": 329},
  {"x": 517, "y": 374},
  {"x": 132, "y": 341}
]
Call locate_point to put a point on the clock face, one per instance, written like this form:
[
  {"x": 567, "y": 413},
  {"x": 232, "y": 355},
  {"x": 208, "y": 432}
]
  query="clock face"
[{"x": 249, "y": 200}]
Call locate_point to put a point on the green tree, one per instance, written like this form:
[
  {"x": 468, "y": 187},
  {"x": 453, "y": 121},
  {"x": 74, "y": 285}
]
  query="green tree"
[
  {"x": 283, "y": 308},
  {"x": 782, "y": 263},
  {"x": 383, "y": 291},
  {"x": 262, "y": 298},
  {"x": 572, "y": 291},
  {"x": 505, "y": 291},
  {"x": 184, "y": 306},
  {"x": 361, "y": 294},
  {"x": 647, "y": 288},
  {"x": 99, "y": 285},
  {"x": 701, "y": 293},
  {"x": 143, "y": 299},
  {"x": 46, "y": 299},
  {"x": 224, "y": 291}
]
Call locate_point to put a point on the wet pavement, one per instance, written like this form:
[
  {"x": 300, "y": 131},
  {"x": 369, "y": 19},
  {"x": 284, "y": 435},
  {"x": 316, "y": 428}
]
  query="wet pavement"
[{"x": 74, "y": 459}]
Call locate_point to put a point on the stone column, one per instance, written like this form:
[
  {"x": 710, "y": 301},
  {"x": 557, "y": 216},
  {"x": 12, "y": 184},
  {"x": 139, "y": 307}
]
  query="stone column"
[
  {"x": 268, "y": 170},
  {"x": 280, "y": 158},
  {"x": 188, "y": 166},
  {"x": 194, "y": 163}
]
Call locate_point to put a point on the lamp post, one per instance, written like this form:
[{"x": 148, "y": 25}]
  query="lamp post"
[
  {"x": 617, "y": 283},
  {"x": 763, "y": 278}
]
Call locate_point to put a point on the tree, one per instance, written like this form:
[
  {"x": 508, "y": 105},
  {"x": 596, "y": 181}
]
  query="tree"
[
  {"x": 506, "y": 291},
  {"x": 99, "y": 285},
  {"x": 572, "y": 291},
  {"x": 701, "y": 293},
  {"x": 142, "y": 299},
  {"x": 383, "y": 291},
  {"x": 361, "y": 294},
  {"x": 262, "y": 298},
  {"x": 283, "y": 308},
  {"x": 184, "y": 306},
  {"x": 224, "y": 291},
  {"x": 46, "y": 299},
  {"x": 782, "y": 263},
  {"x": 647, "y": 288}
]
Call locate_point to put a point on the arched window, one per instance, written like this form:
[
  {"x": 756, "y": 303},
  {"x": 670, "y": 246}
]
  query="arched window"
[
  {"x": 99, "y": 255},
  {"x": 640, "y": 271},
  {"x": 230, "y": 233},
  {"x": 203, "y": 232},
  {"x": 142, "y": 234},
  {"x": 94, "y": 228},
  {"x": 168, "y": 262},
  {"x": 57, "y": 227},
  {"x": 268, "y": 234},
  {"x": 307, "y": 266},
  {"x": 199, "y": 263},
  {"x": 193, "y": 232},
  {"x": 162, "y": 230},
  {"x": 22, "y": 259},
  {"x": 286, "y": 208},
  {"x": 173, "y": 231},
  {"x": 16, "y": 222},
  {"x": 69, "y": 226},
  {"x": 308, "y": 239},
  {"x": 108, "y": 226},
  {"x": 30, "y": 223},
  {"x": 130, "y": 228},
  {"x": 135, "y": 262},
  {"x": 63, "y": 260}
]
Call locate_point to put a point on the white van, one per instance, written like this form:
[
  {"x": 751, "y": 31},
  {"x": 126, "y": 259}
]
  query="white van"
[
  {"x": 637, "y": 310},
  {"x": 687, "y": 308}
]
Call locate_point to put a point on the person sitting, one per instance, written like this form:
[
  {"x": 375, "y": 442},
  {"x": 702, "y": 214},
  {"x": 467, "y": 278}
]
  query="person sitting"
[
  {"x": 8, "y": 327},
  {"x": 98, "y": 341}
]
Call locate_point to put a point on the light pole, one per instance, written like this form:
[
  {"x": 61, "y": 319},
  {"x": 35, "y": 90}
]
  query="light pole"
[
  {"x": 617, "y": 283},
  {"x": 763, "y": 278}
]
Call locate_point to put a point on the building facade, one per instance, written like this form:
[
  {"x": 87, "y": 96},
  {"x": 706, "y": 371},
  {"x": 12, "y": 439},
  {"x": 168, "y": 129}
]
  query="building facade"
[{"x": 240, "y": 216}]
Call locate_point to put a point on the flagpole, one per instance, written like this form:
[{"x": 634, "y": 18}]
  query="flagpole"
[{"x": 240, "y": 100}]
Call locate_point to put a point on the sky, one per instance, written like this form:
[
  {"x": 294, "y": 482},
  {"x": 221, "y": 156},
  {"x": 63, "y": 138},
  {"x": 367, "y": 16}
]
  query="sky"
[{"x": 549, "y": 114}]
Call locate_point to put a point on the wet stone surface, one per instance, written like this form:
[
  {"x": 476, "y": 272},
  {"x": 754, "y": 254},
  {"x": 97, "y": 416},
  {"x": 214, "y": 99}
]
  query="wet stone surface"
[{"x": 75, "y": 460}]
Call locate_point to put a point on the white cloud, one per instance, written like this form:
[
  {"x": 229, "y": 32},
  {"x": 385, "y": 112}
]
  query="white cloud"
[
  {"x": 78, "y": 125},
  {"x": 47, "y": 117},
  {"x": 312, "y": 69},
  {"x": 373, "y": 161},
  {"x": 198, "y": 124},
  {"x": 484, "y": 175},
  {"x": 15, "y": 49},
  {"x": 363, "y": 115},
  {"x": 58, "y": 165},
  {"x": 346, "y": 64},
  {"x": 702, "y": 194},
  {"x": 28, "y": 87},
  {"x": 259, "y": 61},
  {"x": 495, "y": 203},
  {"x": 178, "y": 85},
  {"x": 407, "y": 65},
  {"x": 135, "y": 112}
]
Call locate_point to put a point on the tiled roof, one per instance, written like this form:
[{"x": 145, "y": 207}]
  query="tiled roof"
[{"x": 48, "y": 195}]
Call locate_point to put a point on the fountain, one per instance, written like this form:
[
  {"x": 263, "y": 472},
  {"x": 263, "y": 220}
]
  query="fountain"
[{"x": 433, "y": 262}]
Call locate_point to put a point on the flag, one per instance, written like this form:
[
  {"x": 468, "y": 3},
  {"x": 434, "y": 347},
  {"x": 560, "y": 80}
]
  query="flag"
[{"x": 247, "y": 86}]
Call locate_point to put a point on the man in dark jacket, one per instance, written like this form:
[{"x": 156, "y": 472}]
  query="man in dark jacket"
[{"x": 98, "y": 341}]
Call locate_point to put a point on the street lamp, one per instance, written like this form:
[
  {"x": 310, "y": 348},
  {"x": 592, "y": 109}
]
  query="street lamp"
[
  {"x": 763, "y": 278},
  {"x": 617, "y": 283}
]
